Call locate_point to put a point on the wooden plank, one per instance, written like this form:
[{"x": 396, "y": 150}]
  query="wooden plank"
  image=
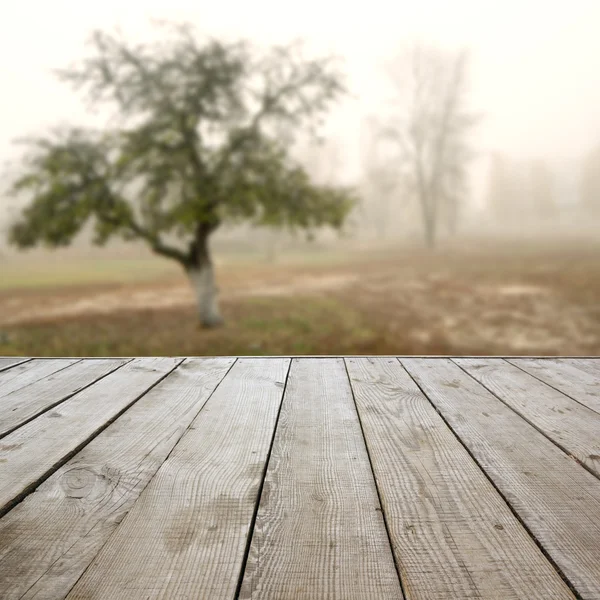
[
  {"x": 24, "y": 404},
  {"x": 21, "y": 376},
  {"x": 8, "y": 362},
  {"x": 49, "y": 539},
  {"x": 557, "y": 499},
  {"x": 187, "y": 534},
  {"x": 34, "y": 451},
  {"x": 576, "y": 383},
  {"x": 574, "y": 427},
  {"x": 319, "y": 531},
  {"x": 589, "y": 365},
  {"x": 453, "y": 535}
]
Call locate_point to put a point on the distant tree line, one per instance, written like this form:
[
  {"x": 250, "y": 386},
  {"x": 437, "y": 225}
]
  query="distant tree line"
[{"x": 530, "y": 189}]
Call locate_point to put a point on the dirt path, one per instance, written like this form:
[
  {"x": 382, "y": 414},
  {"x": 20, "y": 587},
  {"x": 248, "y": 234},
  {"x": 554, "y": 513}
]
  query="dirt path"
[
  {"x": 19, "y": 309},
  {"x": 547, "y": 303}
]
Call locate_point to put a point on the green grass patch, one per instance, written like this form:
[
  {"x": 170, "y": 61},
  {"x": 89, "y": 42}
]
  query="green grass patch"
[
  {"x": 40, "y": 274},
  {"x": 261, "y": 326}
]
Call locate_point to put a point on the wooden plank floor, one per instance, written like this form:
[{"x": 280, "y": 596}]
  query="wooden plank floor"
[{"x": 300, "y": 478}]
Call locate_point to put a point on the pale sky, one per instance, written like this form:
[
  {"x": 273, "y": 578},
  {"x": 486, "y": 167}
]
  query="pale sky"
[{"x": 535, "y": 63}]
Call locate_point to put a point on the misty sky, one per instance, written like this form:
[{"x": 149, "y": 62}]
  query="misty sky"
[{"x": 535, "y": 70}]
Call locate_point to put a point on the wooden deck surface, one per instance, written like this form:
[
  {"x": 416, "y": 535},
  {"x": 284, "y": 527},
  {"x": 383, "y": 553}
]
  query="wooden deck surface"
[{"x": 317, "y": 478}]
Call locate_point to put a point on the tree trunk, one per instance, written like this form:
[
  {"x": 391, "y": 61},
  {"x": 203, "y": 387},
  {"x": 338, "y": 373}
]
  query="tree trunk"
[
  {"x": 202, "y": 277},
  {"x": 428, "y": 210}
]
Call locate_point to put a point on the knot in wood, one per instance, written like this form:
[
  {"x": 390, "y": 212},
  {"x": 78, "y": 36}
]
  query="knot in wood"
[{"x": 78, "y": 482}]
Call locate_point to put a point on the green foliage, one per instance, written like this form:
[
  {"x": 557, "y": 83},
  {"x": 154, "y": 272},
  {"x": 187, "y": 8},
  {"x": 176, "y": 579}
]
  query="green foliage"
[{"x": 195, "y": 145}]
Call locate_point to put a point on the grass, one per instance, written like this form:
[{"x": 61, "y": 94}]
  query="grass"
[
  {"x": 64, "y": 269},
  {"x": 258, "y": 326},
  {"x": 459, "y": 301},
  {"x": 35, "y": 275}
]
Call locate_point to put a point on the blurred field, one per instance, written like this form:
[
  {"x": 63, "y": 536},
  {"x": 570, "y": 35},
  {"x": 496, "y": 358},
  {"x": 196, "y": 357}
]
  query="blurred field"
[
  {"x": 20, "y": 275},
  {"x": 514, "y": 298}
]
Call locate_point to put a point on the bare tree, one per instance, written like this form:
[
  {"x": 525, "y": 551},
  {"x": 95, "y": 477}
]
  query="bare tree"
[
  {"x": 432, "y": 125},
  {"x": 380, "y": 186},
  {"x": 381, "y": 182}
]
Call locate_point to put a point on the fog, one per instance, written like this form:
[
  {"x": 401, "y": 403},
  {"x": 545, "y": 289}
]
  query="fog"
[
  {"x": 535, "y": 65},
  {"x": 533, "y": 75}
]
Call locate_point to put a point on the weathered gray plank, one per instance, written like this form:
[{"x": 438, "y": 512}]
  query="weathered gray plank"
[
  {"x": 186, "y": 535},
  {"x": 319, "y": 531},
  {"x": 589, "y": 365},
  {"x": 23, "y": 375},
  {"x": 452, "y": 533},
  {"x": 573, "y": 426},
  {"x": 7, "y": 363},
  {"x": 26, "y": 403},
  {"x": 49, "y": 539},
  {"x": 556, "y": 498},
  {"x": 33, "y": 451},
  {"x": 576, "y": 383}
]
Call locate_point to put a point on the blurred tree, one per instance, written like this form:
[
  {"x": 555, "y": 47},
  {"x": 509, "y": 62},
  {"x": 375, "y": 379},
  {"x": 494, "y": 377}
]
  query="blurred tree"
[
  {"x": 322, "y": 160},
  {"x": 590, "y": 183},
  {"x": 196, "y": 144},
  {"x": 380, "y": 188},
  {"x": 432, "y": 130},
  {"x": 381, "y": 181}
]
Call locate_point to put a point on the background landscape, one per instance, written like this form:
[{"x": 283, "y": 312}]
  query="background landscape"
[{"x": 512, "y": 268}]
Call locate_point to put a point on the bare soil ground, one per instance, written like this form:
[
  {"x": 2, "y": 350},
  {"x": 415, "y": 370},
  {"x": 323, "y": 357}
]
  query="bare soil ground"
[{"x": 541, "y": 299}]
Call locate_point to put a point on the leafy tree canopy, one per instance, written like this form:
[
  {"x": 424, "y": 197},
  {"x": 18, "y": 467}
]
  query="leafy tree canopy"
[{"x": 194, "y": 143}]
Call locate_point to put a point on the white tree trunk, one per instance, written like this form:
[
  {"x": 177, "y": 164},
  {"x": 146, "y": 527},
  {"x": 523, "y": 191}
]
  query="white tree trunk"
[{"x": 203, "y": 282}]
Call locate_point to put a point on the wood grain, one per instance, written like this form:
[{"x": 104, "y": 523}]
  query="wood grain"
[
  {"x": 319, "y": 530},
  {"x": 186, "y": 535},
  {"x": 24, "y": 404},
  {"x": 589, "y": 365},
  {"x": 557, "y": 499},
  {"x": 7, "y": 363},
  {"x": 34, "y": 451},
  {"x": 569, "y": 379},
  {"x": 573, "y": 426},
  {"x": 21, "y": 376},
  {"x": 453, "y": 535},
  {"x": 49, "y": 539}
]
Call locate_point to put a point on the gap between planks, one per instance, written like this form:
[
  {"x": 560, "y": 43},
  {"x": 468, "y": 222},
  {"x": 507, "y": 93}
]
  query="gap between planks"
[
  {"x": 453, "y": 534},
  {"x": 273, "y": 438},
  {"x": 571, "y": 426},
  {"x": 574, "y": 381},
  {"x": 187, "y": 533},
  {"x": 19, "y": 377},
  {"x": 319, "y": 531},
  {"x": 33, "y": 452},
  {"x": 7, "y": 363},
  {"x": 25, "y": 404},
  {"x": 556, "y": 499},
  {"x": 50, "y": 538}
]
